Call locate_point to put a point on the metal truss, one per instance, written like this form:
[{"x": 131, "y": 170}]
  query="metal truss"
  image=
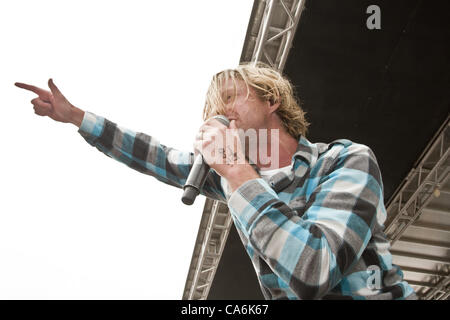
[
  {"x": 211, "y": 238},
  {"x": 439, "y": 292},
  {"x": 422, "y": 183},
  {"x": 271, "y": 40},
  {"x": 428, "y": 181},
  {"x": 269, "y": 37}
]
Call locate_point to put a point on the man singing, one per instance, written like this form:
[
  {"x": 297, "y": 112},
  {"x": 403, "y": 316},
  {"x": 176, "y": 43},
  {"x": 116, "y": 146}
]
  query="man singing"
[{"x": 310, "y": 215}]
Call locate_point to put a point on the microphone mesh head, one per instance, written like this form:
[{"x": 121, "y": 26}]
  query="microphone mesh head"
[{"x": 222, "y": 119}]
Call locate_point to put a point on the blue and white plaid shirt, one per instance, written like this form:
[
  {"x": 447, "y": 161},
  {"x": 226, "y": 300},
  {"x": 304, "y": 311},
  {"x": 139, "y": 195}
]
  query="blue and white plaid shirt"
[{"x": 316, "y": 233}]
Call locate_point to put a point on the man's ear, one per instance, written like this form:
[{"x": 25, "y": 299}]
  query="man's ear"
[{"x": 273, "y": 106}]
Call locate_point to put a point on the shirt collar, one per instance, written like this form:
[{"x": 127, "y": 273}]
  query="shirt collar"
[{"x": 306, "y": 151}]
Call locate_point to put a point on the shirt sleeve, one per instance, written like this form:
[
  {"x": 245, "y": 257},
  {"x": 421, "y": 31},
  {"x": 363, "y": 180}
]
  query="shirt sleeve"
[
  {"x": 145, "y": 154},
  {"x": 313, "y": 249}
]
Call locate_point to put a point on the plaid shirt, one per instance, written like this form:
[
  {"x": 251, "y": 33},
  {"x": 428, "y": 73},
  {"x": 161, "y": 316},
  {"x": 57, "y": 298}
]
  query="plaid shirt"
[{"x": 316, "y": 233}]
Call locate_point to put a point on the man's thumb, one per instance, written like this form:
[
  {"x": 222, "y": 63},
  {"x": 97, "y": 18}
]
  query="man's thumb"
[{"x": 53, "y": 88}]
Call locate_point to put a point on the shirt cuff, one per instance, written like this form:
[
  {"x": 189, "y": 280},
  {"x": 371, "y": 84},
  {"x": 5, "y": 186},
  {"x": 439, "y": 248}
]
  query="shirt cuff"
[
  {"x": 248, "y": 201},
  {"x": 92, "y": 125}
]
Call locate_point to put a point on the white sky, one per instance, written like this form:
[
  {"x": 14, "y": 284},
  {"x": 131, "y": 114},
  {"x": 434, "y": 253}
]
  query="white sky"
[{"x": 75, "y": 224}]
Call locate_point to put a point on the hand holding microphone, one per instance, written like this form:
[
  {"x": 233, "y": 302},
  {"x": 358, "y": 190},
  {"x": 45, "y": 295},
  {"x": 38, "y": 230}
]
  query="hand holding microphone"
[{"x": 198, "y": 173}]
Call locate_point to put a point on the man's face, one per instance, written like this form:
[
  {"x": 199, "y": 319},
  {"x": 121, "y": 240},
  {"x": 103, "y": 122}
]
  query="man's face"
[{"x": 247, "y": 110}]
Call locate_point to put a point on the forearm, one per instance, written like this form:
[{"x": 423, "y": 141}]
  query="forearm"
[
  {"x": 137, "y": 150},
  {"x": 143, "y": 153}
]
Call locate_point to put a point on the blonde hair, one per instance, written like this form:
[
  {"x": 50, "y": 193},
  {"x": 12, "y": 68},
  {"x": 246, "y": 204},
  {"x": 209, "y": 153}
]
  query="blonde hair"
[{"x": 269, "y": 85}]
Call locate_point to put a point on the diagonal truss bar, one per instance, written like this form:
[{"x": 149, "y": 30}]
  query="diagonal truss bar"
[
  {"x": 425, "y": 180},
  {"x": 269, "y": 38},
  {"x": 277, "y": 31}
]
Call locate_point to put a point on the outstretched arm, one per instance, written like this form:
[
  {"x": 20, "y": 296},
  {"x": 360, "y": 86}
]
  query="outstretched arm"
[
  {"x": 136, "y": 150},
  {"x": 145, "y": 154}
]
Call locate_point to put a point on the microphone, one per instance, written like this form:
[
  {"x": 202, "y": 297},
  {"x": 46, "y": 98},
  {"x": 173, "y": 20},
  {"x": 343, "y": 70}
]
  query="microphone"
[{"x": 197, "y": 176}]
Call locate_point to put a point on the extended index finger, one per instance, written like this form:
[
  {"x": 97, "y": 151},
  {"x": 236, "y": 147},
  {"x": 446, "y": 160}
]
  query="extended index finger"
[{"x": 29, "y": 87}]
